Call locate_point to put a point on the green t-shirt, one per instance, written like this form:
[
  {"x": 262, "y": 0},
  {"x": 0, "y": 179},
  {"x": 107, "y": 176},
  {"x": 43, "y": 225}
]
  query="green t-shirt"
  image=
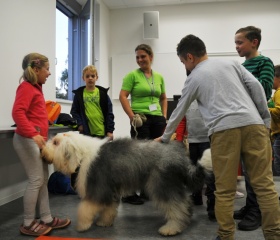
[
  {"x": 93, "y": 112},
  {"x": 145, "y": 92}
]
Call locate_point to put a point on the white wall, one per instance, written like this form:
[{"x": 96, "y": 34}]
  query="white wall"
[
  {"x": 26, "y": 26},
  {"x": 215, "y": 23}
]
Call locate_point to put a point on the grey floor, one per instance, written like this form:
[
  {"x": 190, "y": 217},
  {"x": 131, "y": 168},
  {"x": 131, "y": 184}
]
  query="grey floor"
[{"x": 132, "y": 222}]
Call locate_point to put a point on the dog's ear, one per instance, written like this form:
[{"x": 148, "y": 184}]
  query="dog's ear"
[
  {"x": 67, "y": 154},
  {"x": 69, "y": 149},
  {"x": 55, "y": 141}
]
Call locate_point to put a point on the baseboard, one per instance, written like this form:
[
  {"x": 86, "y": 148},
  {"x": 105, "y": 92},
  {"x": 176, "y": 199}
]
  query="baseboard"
[
  {"x": 12, "y": 193},
  {"x": 276, "y": 178}
]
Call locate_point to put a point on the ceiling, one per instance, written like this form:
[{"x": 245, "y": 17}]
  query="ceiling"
[{"x": 117, "y": 4}]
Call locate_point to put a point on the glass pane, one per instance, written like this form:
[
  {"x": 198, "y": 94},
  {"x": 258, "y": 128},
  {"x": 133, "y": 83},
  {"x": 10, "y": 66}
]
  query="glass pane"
[
  {"x": 89, "y": 43},
  {"x": 61, "y": 55}
]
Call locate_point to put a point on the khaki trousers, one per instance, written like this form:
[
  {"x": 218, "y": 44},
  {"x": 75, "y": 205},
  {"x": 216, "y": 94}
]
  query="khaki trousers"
[{"x": 253, "y": 144}]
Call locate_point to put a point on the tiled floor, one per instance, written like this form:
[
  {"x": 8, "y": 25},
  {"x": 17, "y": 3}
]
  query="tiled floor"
[{"x": 133, "y": 222}]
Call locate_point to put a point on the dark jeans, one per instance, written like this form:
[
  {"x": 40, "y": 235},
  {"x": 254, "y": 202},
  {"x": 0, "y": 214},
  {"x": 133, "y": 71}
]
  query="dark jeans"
[
  {"x": 151, "y": 129},
  {"x": 251, "y": 199},
  {"x": 276, "y": 153},
  {"x": 196, "y": 150}
]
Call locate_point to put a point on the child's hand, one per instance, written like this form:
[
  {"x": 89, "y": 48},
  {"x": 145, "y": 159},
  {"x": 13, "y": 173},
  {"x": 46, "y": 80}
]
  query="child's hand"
[
  {"x": 39, "y": 140},
  {"x": 81, "y": 129},
  {"x": 110, "y": 135}
]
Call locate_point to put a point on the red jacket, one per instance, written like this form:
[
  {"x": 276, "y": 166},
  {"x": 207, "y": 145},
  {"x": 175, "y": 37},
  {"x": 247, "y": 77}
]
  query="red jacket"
[
  {"x": 29, "y": 111},
  {"x": 181, "y": 130}
]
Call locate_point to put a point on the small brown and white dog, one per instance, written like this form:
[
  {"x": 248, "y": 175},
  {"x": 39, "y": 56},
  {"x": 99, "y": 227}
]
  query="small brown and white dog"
[{"x": 110, "y": 170}]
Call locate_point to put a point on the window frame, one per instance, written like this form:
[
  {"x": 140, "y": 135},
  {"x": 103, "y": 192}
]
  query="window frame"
[{"x": 77, "y": 43}]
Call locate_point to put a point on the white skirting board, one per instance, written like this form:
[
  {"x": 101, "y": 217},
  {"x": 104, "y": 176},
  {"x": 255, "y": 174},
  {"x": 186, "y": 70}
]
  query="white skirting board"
[{"x": 12, "y": 192}]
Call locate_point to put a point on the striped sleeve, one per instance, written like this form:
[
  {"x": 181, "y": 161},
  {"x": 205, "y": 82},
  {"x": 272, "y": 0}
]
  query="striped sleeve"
[{"x": 263, "y": 69}]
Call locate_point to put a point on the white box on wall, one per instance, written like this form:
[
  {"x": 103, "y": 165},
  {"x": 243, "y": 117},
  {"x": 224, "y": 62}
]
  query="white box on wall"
[{"x": 151, "y": 24}]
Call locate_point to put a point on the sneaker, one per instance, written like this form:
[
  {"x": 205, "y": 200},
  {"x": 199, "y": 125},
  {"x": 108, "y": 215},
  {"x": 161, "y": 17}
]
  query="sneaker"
[
  {"x": 239, "y": 194},
  {"x": 197, "y": 199},
  {"x": 35, "y": 229},
  {"x": 134, "y": 199},
  {"x": 211, "y": 215},
  {"x": 240, "y": 214},
  {"x": 58, "y": 223},
  {"x": 144, "y": 196},
  {"x": 250, "y": 222}
]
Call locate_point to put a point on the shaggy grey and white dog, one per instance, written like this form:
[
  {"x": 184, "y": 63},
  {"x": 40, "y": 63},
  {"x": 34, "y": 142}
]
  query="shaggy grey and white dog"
[{"x": 110, "y": 170}]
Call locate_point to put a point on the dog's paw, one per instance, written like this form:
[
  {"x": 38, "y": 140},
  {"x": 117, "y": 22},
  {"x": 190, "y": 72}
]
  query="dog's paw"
[
  {"x": 167, "y": 230},
  {"x": 82, "y": 227},
  {"x": 101, "y": 223},
  {"x": 171, "y": 228}
]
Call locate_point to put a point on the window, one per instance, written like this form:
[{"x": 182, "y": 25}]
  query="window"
[
  {"x": 61, "y": 55},
  {"x": 72, "y": 46}
]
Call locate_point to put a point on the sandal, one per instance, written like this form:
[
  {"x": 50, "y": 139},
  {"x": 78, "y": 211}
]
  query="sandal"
[
  {"x": 58, "y": 223},
  {"x": 35, "y": 229}
]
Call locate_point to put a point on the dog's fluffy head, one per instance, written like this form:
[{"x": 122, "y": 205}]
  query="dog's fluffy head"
[{"x": 67, "y": 150}]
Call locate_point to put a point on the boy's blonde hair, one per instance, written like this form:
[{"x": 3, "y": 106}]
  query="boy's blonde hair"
[{"x": 91, "y": 68}]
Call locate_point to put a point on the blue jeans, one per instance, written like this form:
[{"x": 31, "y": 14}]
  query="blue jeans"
[{"x": 276, "y": 153}]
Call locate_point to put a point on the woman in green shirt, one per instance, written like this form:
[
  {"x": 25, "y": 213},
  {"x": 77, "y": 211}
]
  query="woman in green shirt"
[
  {"x": 148, "y": 99},
  {"x": 147, "y": 90}
]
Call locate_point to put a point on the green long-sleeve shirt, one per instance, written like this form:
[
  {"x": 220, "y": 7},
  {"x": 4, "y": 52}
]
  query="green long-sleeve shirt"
[{"x": 263, "y": 69}]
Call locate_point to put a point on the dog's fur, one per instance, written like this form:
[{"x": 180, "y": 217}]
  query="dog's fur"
[{"x": 110, "y": 170}]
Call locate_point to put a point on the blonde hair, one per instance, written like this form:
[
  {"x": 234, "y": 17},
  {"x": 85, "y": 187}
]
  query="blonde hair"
[
  {"x": 29, "y": 62},
  {"x": 91, "y": 68}
]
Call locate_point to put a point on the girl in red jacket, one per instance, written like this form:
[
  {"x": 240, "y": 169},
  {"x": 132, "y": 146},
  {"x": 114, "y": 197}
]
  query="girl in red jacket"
[{"x": 30, "y": 115}]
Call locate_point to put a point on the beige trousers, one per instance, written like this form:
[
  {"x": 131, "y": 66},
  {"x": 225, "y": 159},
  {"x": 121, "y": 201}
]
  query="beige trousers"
[{"x": 253, "y": 144}]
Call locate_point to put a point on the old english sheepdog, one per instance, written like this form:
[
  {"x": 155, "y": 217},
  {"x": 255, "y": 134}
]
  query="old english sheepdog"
[{"x": 109, "y": 170}]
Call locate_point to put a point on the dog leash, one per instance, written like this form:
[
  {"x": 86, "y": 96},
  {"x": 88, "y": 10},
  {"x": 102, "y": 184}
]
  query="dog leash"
[{"x": 137, "y": 121}]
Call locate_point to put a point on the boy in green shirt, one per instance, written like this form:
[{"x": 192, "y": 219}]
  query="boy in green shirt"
[{"x": 247, "y": 41}]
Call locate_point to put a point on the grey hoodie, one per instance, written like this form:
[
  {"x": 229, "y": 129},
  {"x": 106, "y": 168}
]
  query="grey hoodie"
[{"x": 228, "y": 96}]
